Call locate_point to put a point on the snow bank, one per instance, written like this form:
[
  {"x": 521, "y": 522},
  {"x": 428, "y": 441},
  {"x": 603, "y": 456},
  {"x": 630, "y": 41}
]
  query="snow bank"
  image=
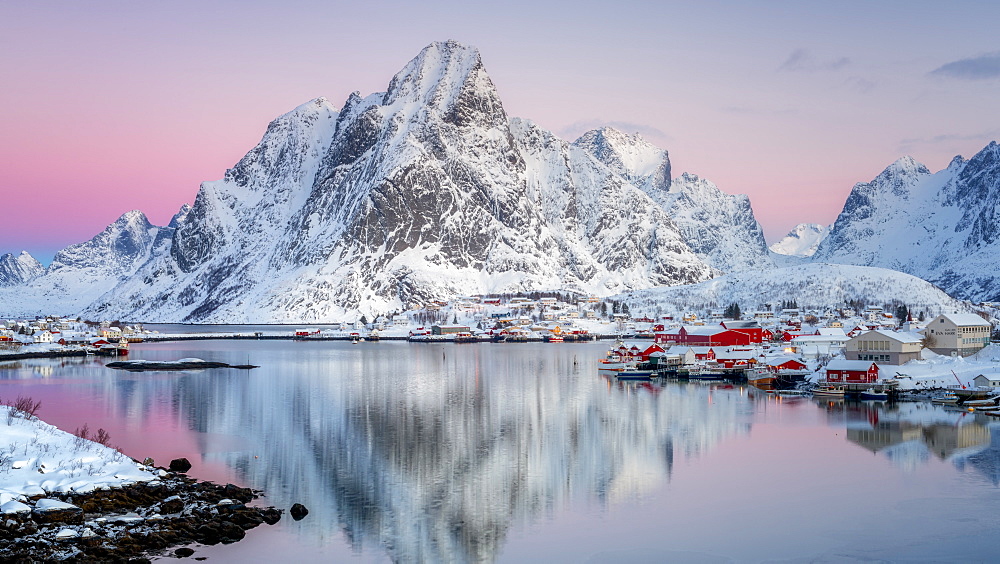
[{"x": 37, "y": 458}]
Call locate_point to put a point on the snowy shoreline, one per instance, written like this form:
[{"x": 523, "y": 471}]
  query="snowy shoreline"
[{"x": 65, "y": 497}]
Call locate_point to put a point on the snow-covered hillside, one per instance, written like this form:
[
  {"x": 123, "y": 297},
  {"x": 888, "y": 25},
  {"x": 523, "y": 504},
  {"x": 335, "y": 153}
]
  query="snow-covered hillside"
[
  {"x": 943, "y": 227},
  {"x": 81, "y": 273},
  {"x": 813, "y": 286},
  {"x": 802, "y": 240}
]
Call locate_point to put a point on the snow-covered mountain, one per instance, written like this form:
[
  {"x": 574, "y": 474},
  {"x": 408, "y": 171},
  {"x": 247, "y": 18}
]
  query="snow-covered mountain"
[
  {"x": 81, "y": 273},
  {"x": 720, "y": 228},
  {"x": 802, "y": 240},
  {"x": 812, "y": 286},
  {"x": 943, "y": 227},
  {"x": 424, "y": 191},
  {"x": 18, "y": 269}
]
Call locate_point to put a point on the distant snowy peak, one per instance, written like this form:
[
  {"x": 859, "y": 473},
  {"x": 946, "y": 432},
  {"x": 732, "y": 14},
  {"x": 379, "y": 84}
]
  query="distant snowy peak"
[
  {"x": 18, "y": 269},
  {"x": 639, "y": 161},
  {"x": 116, "y": 250},
  {"x": 802, "y": 240},
  {"x": 943, "y": 227}
]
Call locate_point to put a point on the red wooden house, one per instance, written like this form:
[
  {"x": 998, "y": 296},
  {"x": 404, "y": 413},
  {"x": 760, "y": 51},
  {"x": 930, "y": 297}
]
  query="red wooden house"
[
  {"x": 703, "y": 336},
  {"x": 785, "y": 363},
  {"x": 852, "y": 371},
  {"x": 752, "y": 329}
]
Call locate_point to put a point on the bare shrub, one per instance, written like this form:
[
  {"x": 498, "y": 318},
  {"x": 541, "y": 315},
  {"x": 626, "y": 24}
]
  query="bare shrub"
[
  {"x": 83, "y": 436},
  {"x": 102, "y": 437},
  {"x": 23, "y": 407}
]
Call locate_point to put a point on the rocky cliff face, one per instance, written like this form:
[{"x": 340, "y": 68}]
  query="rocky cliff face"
[
  {"x": 18, "y": 269},
  {"x": 942, "y": 227},
  {"x": 424, "y": 191},
  {"x": 720, "y": 228}
]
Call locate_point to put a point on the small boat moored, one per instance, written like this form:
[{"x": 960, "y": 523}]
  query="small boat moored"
[
  {"x": 873, "y": 395},
  {"x": 828, "y": 390}
]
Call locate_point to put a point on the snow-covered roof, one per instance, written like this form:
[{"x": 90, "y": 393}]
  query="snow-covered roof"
[
  {"x": 753, "y": 324},
  {"x": 894, "y": 335},
  {"x": 736, "y": 355},
  {"x": 779, "y": 360},
  {"x": 832, "y": 332},
  {"x": 704, "y": 329},
  {"x": 812, "y": 339},
  {"x": 844, "y": 364},
  {"x": 966, "y": 319}
]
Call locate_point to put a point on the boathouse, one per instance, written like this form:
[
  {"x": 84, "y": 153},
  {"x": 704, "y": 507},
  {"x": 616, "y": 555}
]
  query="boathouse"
[{"x": 852, "y": 371}]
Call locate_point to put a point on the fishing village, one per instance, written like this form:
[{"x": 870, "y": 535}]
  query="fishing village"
[{"x": 860, "y": 352}]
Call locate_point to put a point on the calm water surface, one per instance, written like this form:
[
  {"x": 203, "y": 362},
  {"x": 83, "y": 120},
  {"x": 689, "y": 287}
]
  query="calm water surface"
[{"x": 521, "y": 452}]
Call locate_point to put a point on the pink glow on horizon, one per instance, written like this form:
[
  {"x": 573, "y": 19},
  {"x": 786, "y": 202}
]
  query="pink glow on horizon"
[{"x": 116, "y": 106}]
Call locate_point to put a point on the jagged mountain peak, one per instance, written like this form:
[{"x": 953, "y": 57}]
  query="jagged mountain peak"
[
  {"x": 942, "y": 227},
  {"x": 904, "y": 171},
  {"x": 447, "y": 79},
  {"x": 18, "y": 269},
  {"x": 117, "y": 248},
  {"x": 180, "y": 217},
  {"x": 629, "y": 154}
]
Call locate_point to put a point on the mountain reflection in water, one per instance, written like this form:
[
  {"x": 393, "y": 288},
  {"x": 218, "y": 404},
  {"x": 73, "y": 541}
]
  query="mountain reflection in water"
[{"x": 437, "y": 452}]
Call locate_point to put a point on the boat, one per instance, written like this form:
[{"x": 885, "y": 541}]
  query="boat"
[
  {"x": 828, "y": 390},
  {"x": 635, "y": 374},
  {"x": 791, "y": 393},
  {"x": 974, "y": 393},
  {"x": 872, "y": 394},
  {"x": 988, "y": 402},
  {"x": 948, "y": 398},
  {"x": 761, "y": 378}
]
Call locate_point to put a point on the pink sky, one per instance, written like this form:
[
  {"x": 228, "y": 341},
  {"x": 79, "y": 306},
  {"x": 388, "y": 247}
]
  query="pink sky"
[{"x": 112, "y": 106}]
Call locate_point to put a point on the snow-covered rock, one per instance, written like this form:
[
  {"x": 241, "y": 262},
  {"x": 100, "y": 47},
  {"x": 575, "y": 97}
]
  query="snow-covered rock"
[
  {"x": 18, "y": 269},
  {"x": 802, "y": 240},
  {"x": 943, "y": 227},
  {"x": 720, "y": 228}
]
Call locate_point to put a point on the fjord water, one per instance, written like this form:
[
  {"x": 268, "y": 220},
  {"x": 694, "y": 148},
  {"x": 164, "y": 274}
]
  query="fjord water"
[{"x": 522, "y": 452}]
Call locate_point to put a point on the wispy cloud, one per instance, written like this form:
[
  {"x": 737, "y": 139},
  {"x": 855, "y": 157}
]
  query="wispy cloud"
[
  {"x": 801, "y": 60},
  {"x": 983, "y": 67},
  {"x": 751, "y": 111},
  {"x": 648, "y": 132},
  {"x": 862, "y": 85},
  {"x": 981, "y": 136}
]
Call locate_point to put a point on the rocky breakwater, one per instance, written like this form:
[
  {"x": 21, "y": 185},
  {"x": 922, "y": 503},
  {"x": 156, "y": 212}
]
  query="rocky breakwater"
[{"x": 131, "y": 522}]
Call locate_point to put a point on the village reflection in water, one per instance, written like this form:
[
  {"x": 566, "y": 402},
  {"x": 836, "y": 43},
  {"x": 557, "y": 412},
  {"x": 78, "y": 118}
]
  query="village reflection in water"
[{"x": 911, "y": 433}]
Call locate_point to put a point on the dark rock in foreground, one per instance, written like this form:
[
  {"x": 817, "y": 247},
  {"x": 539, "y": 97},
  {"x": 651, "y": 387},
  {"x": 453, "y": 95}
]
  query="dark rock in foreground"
[
  {"x": 298, "y": 511},
  {"x": 137, "y": 521},
  {"x": 180, "y": 465}
]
